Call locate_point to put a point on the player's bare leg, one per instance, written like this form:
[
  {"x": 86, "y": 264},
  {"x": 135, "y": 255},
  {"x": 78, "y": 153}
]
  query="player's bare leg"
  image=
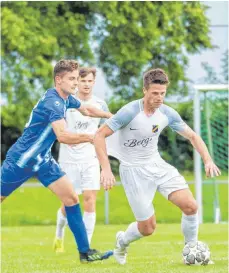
[
  {"x": 188, "y": 205},
  {"x": 63, "y": 189},
  {"x": 148, "y": 226}
]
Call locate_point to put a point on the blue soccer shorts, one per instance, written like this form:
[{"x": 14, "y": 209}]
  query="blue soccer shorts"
[{"x": 13, "y": 176}]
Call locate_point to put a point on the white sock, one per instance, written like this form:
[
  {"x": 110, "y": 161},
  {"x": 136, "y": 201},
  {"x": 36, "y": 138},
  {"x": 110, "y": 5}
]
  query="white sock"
[
  {"x": 190, "y": 226},
  {"x": 131, "y": 234},
  {"x": 60, "y": 224},
  {"x": 89, "y": 219}
]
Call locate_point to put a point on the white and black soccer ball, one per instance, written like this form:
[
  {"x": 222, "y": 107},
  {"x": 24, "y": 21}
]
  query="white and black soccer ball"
[{"x": 196, "y": 253}]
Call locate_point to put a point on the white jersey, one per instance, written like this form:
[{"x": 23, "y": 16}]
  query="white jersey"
[
  {"x": 135, "y": 140},
  {"x": 77, "y": 123}
]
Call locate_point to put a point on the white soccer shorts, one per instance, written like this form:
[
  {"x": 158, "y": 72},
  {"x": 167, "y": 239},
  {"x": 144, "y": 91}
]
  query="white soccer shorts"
[
  {"x": 141, "y": 183},
  {"x": 83, "y": 176}
]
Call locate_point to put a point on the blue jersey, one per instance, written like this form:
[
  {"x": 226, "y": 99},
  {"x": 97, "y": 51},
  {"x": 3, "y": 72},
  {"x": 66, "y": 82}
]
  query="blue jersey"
[{"x": 33, "y": 148}]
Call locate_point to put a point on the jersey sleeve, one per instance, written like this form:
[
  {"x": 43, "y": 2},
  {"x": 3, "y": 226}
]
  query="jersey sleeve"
[
  {"x": 73, "y": 102},
  {"x": 55, "y": 109},
  {"x": 175, "y": 121},
  {"x": 105, "y": 108},
  {"x": 124, "y": 116}
]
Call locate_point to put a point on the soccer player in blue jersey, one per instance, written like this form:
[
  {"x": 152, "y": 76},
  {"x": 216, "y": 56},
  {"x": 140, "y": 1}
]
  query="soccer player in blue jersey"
[
  {"x": 137, "y": 127},
  {"x": 31, "y": 155}
]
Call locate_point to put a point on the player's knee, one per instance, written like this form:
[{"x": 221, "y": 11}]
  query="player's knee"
[
  {"x": 148, "y": 229},
  {"x": 89, "y": 199},
  {"x": 89, "y": 203},
  {"x": 190, "y": 207},
  {"x": 71, "y": 200}
]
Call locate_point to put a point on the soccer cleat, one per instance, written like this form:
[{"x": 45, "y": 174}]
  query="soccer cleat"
[
  {"x": 58, "y": 245},
  {"x": 120, "y": 251},
  {"x": 94, "y": 255}
]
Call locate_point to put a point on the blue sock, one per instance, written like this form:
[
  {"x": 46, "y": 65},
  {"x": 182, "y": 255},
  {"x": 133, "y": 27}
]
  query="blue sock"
[{"x": 77, "y": 227}]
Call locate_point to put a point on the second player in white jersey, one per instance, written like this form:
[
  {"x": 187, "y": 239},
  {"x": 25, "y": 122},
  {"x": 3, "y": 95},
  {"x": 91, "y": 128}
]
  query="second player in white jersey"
[
  {"x": 78, "y": 123},
  {"x": 79, "y": 161},
  {"x": 134, "y": 132}
]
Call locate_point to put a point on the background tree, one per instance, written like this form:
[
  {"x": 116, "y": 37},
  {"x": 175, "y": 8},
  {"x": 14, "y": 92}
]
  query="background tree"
[
  {"x": 35, "y": 34},
  {"x": 123, "y": 38},
  {"x": 156, "y": 34}
]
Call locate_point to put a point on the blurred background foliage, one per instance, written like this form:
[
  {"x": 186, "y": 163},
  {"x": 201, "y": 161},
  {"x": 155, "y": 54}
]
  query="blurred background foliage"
[{"x": 124, "y": 39}]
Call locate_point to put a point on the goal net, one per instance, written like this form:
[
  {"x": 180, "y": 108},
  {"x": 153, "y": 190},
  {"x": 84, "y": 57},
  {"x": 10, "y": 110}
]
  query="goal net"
[{"x": 211, "y": 123}]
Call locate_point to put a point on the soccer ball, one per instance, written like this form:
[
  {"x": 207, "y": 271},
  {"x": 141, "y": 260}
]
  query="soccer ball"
[{"x": 196, "y": 253}]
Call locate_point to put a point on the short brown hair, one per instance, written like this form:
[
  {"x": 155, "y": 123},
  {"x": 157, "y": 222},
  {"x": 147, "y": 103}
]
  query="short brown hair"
[
  {"x": 84, "y": 71},
  {"x": 153, "y": 76},
  {"x": 65, "y": 66}
]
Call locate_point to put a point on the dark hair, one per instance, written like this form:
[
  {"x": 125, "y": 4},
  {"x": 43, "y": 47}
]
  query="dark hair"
[
  {"x": 84, "y": 71},
  {"x": 153, "y": 76},
  {"x": 65, "y": 66}
]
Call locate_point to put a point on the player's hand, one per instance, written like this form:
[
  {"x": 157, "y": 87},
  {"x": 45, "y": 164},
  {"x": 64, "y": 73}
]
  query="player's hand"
[
  {"x": 107, "y": 179},
  {"x": 211, "y": 169},
  {"x": 91, "y": 139}
]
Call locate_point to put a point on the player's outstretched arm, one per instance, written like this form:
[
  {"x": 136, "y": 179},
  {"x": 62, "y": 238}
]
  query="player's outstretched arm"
[
  {"x": 63, "y": 136},
  {"x": 210, "y": 168},
  {"x": 107, "y": 177},
  {"x": 91, "y": 111}
]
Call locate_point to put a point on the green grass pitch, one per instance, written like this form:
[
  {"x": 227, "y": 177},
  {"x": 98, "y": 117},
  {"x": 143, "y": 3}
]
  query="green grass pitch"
[
  {"x": 28, "y": 217},
  {"x": 28, "y": 249}
]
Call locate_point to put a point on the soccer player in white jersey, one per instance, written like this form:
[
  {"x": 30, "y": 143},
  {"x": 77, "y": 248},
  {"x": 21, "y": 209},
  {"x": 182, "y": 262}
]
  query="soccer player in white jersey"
[
  {"x": 143, "y": 172},
  {"x": 79, "y": 162}
]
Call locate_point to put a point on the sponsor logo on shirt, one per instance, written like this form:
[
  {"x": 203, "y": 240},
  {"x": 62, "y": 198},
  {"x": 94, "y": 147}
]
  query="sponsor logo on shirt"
[
  {"x": 135, "y": 142},
  {"x": 81, "y": 125}
]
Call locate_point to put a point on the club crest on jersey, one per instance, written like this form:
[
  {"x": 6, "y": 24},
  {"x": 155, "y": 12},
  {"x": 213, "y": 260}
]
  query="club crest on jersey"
[
  {"x": 57, "y": 103},
  {"x": 155, "y": 128}
]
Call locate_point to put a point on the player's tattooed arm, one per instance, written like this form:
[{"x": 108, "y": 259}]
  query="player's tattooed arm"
[
  {"x": 64, "y": 136},
  {"x": 107, "y": 178},
  {"x": 210, "y": 168},
  {"x": 91, "y": 111}
]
